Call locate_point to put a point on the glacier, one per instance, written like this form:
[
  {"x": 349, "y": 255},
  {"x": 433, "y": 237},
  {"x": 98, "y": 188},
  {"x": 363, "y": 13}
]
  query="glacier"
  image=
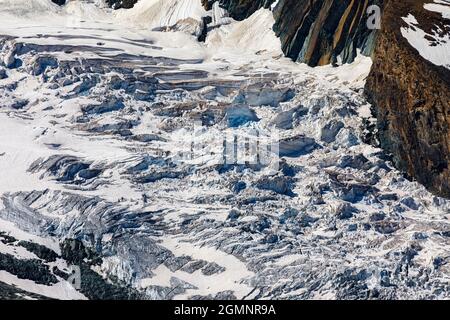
[{"x": 96, "y": 107}]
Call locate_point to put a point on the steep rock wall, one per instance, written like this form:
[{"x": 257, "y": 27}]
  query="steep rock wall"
[
  {"x": 316, "y": 32},
  {"x": 412, "y": 98},
  {"x": 320, "y": 32},
  {"x": 240, "y": 9}
]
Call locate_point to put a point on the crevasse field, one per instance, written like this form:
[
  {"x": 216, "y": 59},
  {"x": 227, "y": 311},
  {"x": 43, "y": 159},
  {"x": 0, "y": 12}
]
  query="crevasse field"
[{"x": 95, "y": 110}]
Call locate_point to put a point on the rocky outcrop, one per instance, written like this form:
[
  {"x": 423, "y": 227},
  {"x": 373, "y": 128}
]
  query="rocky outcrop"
[
  {"x": 240, "y": 9},
  {"x": 118, "y": 4},
  {"x": 412, "y": 98},
  {"x": 322, "y": 31},
  {"x": 316, "y": 32}
]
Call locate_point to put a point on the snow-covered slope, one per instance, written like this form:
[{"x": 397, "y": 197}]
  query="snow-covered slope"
[
  {"x": 433, "y": 45},
  {"x": 251, "y": 35},
  {"x": 164, "y": 13},
  {"x": 28, "y": 8},
  {"x": 99, "y": 148}
]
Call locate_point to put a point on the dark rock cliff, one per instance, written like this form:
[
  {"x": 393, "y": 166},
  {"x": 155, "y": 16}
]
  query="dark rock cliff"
[
  {"x": 118, "y": 4},
  {"x": 412, "y": 98},
  {"x": 240, "y": 9},
  {"x": 315, "y": 32}
]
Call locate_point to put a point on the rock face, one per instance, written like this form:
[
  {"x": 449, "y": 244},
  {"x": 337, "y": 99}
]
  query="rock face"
[
  {"x": 240, "y": 9},
  {"x": 322, "y": 31},
  {"x": 118, "y": 4},
  {"x": 412, "y": 98},
  {"x": 315, "y": 32}
]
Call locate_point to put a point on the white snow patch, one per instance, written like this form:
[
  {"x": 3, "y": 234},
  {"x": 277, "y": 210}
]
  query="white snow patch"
[
  {"x": 437, "y": 52},
  {"x": 61, "y": 290},
  {"x": 232, "y": 278},
  {"x": 11, "y": 229},
  {"x": 442, "y": 7}
]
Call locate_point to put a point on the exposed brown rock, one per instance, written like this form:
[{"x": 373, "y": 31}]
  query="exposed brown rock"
[
  {"x": 240, "y": 9},
  {"x": 318, "y": 31},
  {"x": 315, "y": 32},
  {"x": 412, "y": 98}
]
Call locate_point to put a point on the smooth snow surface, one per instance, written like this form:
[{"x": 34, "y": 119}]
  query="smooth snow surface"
[
  {"x": 440, "y": 6},
  {"x": 253, "y": 34}
]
